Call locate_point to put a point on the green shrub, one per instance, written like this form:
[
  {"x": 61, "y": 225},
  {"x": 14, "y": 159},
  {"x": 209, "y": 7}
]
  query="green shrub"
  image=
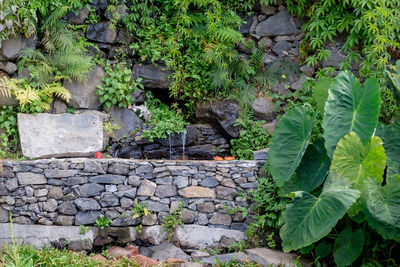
[
  {"x": 252, "y": 136},
  {"x": 118, "y": 86},
  {"x": 163, "y": 121},
  {"x": 9, "y": 141},
  {"x": 102, "y": 222}
]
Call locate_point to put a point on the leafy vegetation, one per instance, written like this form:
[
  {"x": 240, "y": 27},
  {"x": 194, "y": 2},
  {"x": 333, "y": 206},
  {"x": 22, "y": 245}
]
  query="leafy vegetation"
[
  {"x": 356, "y": 189},
  {"x": 163, "y": 121},
  {"x": 118, "y": 86},
  {"x": 102, "y": 222},
  {"x": 172, "y": 220},
  {"x": 252, "y": 136},
  {"x": 8, "y": 132}
]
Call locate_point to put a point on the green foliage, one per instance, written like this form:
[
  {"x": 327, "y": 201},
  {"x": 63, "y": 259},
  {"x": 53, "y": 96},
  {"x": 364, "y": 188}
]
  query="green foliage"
[
  {"x": 350, "y": 107},
  {"x": 9, "y": 141},
  {"x": 118, "y": 86},
  {"x": 289, "y": 141},
  {"x": 83, "y": 229},
  {"x": 25, "y": 16},
  {"x": 163, "y": 121},
  {"x": 320, "y": 93},
  {"x": 357, "y": 192},
  {"x": 252, "y": 136},
  {"x": 172, "y": 220},
  {"x": 268, "y": 207},
  {"x": 139, "y": 210},
  {"x": 102, "y": 222}
]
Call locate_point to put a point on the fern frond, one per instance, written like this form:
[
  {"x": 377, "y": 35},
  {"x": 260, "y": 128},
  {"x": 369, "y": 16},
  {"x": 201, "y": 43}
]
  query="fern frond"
[
  {"x": 227, "y": 34},
  {"x": 54, "y": 17},
  {"x": 23, "y": 95},
  {"x": 56, "y": 89}
]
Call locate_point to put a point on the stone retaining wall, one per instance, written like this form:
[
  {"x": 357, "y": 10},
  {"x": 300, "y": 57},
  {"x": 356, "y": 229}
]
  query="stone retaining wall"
[{"x": 77, "y": 191}]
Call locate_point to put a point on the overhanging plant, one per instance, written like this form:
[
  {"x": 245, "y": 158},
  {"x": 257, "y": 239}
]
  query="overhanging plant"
[{"x": 350, "y": 165}]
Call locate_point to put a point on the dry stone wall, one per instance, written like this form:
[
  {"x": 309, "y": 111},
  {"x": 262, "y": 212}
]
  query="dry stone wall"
[{"x": 77, "y": 191}]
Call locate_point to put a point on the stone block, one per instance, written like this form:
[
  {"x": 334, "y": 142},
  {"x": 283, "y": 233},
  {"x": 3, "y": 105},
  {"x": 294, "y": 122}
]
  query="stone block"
[{"x": 63, "y": 135}]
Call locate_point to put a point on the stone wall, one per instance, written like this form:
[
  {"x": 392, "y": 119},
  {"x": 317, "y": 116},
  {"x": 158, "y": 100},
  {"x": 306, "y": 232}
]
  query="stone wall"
[{"x": 77, "y": 191}]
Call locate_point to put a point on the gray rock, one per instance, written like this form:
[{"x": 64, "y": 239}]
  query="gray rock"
[
  {"x": 209, "y": 182},
  {"x": 12, "y": 47},
  {"x": 278, "y": 24},
  {"x": 10, "y": 68},
  {"x": 226, "y": 193},
  {"x": 281, "y": 46},
  {"x": 156, "y": 206},
  {"x": 167, "y": 250},
  {"x": 202, "y": 219},
  {"x": 242, "y": 227},
  {"x": 193, "y": 237},
  {"x": 41, "y": 236},
  {"x": 334, "y": 60},
  {"x": 93, "y": 166},
  {"x": 263, "y": 108},
  {"x": 307, "y": 70},
  {"x": 149, "y": 219},
  {"x": 261, "y": 154},
  {"x": 55, "y": 193},
  {"x": 119, "y": 12},
  {"x": 50, "y": 205},
  {"x": 222, "y": 114},
  {"x": 109, "y": 200},
  {"x": 147, "y": 188},
  {"x": 126, "y": 202},
  {"x": 101, "y": 32},
  {"x": 85, "y": 204},
  {"x": 126, "y": 220},
  {"x": 54, "y": 173},
  {"x": 268, "y": 10},
  {"x": 181, "y": 181},
  {"x": 152, "y": 76},
  {"x": 188, "y": 216},
  {"x": 221, "y": 219},
  {"x": 225, "y": 258},
  {"x": 83, "y": 94},
  {"x": 134, "y": 180},
  {"x": 144, "y": 169},
  {"x": 130, "y": 193},
  {"x": 57, "y": 135},
  {"x": 58, "y": 107},
  {"x": 12, "y": 184},
  {"x": 64, "y": 220},
  {"x": 107, "y": 179},
  {"x": 153, "y": 234},
  {"x": 4, "y": 215},
  {"x": 123, "y": 37},
  {"x": 111, "y": 188},
  {"x": 86, "y": 217},
  {"x": 76, "y": 180},
  {"x": 8, "y": 101},
  {"x": 126, "y": 119},
  {"x": 100, "y": 4},
  {"x": 80, "y": 245},
  {"x": 245, "y": 28},
  {"x": 77, "y": 18},
  {"x": 28, "y": 178},
  {"x": 89, "y": 190},
  {"x": 166, "y": 190},
  {"x": 269, "y": 257},
  {"x": 207, "y": 207},
  {"x": 67, "y": 208}
]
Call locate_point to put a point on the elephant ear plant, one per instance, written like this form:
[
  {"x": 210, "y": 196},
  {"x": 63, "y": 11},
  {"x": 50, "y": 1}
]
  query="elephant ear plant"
[{"x": 340, "y": 175}]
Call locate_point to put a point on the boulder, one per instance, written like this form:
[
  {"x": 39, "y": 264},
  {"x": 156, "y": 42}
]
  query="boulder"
[
  {"x": 63, "y": 135},
  {"x": 221, "y": 114},
  {"x": 278, "y": 24},
  {"x": 8, "y": 101},
  {"x": 79, "y": 17},
  {"x": 119, "y": 252},
  {"x": 83, "y": 94},
  {"x": 152, "y": 76},
  {"x": 269, "y": 257},
  {"x": 126, "y": 119},
  {"x": 281, "y": 46},
  {"x": 263, "y": 108},
  {"x": 10, "y": 68},
  {"x": 335, "y": 59},
  {"x": 100, "y": 4},
  {"x": 13, "y": 46},
  {"x": 167, "y": 250},
  {"x": 101, "y": 32},
  {"x": 245, "y": 28},
  {"x": 261, "y": 154}
]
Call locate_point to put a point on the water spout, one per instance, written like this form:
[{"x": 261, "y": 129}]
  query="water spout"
[{"x": 183, "y": 135}]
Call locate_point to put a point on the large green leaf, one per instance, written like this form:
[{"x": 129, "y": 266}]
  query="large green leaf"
[
  {"x": 350, "y": 108},
  {"x": 288, "y": 143},
  {"x": 320, "y": 93},
  {"x": 308, "y": 219},
  {"x": 383, "y": 202},
  {"x": 348, "y": 246},
  {"x": 391, "y": 142},
  {"x": 312, "y": 170},
  {"x": 356, "y": 161}
]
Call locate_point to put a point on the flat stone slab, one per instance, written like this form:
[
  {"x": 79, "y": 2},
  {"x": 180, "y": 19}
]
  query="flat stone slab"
[
  {"x": 270, "y": 257},
  {"x": 41, "y": 235},
  {"x": 64, "y": 135}
]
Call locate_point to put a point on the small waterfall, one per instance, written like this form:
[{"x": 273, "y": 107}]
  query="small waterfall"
[
  {"x": 170, "y": 146},
  {"x": 183, "y": 135}
]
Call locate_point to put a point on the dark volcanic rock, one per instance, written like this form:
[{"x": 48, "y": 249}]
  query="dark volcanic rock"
[
  {"x": 101, "y": 32},
  {"x": 152, "y": 76}
]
